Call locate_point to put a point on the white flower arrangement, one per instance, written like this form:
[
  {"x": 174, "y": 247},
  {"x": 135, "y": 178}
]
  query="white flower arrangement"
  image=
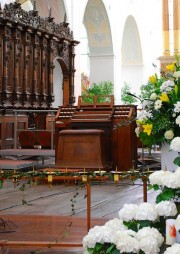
[
  {"x": 128, "y": 212},
  {"x": 168, "y": 183},
  {"x": 126, "y": 242},
  {"x": 174, "y": 249},
  {"x": 166, "y": 178},
  {"x": 166, "y": 208},
  {"x": 150, "y": 240},
  {"x": 147, "y": 211},
  {"x": 163, "y": 111},
  {"x": 147, "y": 239}
]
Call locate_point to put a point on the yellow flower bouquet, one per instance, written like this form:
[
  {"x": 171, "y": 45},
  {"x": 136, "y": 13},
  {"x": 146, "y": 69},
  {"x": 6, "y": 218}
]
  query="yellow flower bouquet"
[{"x": 159, "y": 119}]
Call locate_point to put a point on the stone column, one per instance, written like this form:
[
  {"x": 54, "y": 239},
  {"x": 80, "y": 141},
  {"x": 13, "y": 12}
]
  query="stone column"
[
  {"x": 165, "y": 28},
  {"x": 176, "y": 26}
]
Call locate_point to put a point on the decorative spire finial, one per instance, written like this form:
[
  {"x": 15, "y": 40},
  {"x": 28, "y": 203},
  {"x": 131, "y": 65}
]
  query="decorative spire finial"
[
  {"x": 65, "y": 18},
  {"x": 50, "y": 18},
  {"x": 34, "y": 6}
]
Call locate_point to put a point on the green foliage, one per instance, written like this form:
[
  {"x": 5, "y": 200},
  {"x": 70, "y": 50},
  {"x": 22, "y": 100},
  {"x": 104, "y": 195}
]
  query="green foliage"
[
  {"x": 104, "y": 248},
  {"x": 177, "y": 161},
  {"x": 102, "y": 88},
  {"x": 145, "y": 91},
  {"x": 125, "y": 97},
  {"x": 166, "y": 194}
]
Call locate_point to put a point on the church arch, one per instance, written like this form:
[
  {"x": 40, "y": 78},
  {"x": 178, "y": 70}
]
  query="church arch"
[{"x": 96, "y": 22}]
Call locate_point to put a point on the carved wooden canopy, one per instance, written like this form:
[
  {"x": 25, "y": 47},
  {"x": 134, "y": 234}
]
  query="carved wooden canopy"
[{"x": 28, "y": 46}]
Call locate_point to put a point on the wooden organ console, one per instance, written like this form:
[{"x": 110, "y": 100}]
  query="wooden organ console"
[{"x": 110, "y": 126}]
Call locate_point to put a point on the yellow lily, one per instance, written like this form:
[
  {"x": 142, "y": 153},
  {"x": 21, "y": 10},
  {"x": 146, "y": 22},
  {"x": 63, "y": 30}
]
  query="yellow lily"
[
  {"x": 170, "y": 67},
  {"x": 147, "y": 128},
  {"x": 164, "y": 97},
  {"x": 152, "y": 79}
]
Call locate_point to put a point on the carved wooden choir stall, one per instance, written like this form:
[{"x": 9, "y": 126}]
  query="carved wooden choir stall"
[{"x": 29, "y": 44}]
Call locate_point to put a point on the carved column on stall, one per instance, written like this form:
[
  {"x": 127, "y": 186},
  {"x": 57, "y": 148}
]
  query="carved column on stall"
[
  {"x": 43, "y": 71},
  {"x": 35, "y": 70},
  {"x": 165, "y": 27},
  {"x": 17, "y": 92},
  {"x": 6, "y": 88},
  {"x": 72, "y": 73},
  {"x": 50, "y": 97},
  {"x": 176, "y": 25},
  {"x": 27, "y": 81}
]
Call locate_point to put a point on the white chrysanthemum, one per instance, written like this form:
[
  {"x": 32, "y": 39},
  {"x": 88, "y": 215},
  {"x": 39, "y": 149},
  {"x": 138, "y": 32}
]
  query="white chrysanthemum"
[
  {"x": 174, "y": 249},
  {"x": 153, "y": 96},
  {"x": 167, "y": 86},
  {"x": 128, "y": 212},
  {"x": 157, "y": 104},
  {"x": 175, "y": 144},
  {"x": 171, "y": 180},
  {"x": 176, "y": 74},
  {"x": 169, "y": 134},
  {"x": 177, "y": 107},
  {"x": 178, "y": 121},
  {"x": 156, "y": 177},
  {"x": 146, "y": 211},
  {"x": 144, "y": 115},
  {"x": 147, "y": 104},
  {"x": 150, "y": 233},
  {"x": 116, "y": 224},
  {"x": 166, "y": 208},
  {"x": 125, "y": 242}
]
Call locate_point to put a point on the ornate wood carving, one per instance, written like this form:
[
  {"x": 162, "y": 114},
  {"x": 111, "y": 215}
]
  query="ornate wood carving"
[{"x": 28, "y": 46}]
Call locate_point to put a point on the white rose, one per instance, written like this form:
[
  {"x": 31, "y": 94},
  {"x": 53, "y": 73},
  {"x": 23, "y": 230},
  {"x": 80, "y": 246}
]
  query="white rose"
[
  {"x": 153, "y": 96},
  {"x": 169, "y": 134},
  {"x": 176, "y": 74},
  {"x": 175, "y": 144},
  {"x": 178, "y": 121}
]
